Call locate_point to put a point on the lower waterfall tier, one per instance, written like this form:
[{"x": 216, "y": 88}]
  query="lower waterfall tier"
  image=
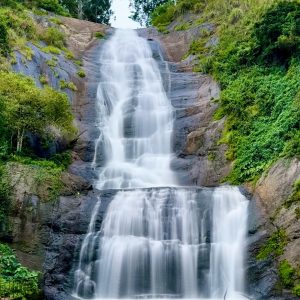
[{"x": 165, "y": 243}]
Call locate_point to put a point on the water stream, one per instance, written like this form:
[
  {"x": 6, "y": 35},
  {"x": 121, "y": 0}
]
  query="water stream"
[{"x": 157, "y": 240}]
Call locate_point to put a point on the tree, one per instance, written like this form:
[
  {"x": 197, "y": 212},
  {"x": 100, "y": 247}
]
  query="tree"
[
  {"x": 30, "y": 109},
  {"x": 142, "y": 9},
  {"x": 98, "y": 11}
]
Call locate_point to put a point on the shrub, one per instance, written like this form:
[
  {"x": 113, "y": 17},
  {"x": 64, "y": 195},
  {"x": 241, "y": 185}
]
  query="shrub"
[
  {"x": 81, "y": 73},
  {"x": 295, "y": 196},
  {"x": 274, "y": 246},
  {"x": 54, "y": 37},
  {"x": 51, "y": 49},
  {"x": 167, "y": 12},
  {"x": 43, "y": 79},
  {"x": 16, "y": 281},
  {"x": 99, "y": 35},
  {"x": 68, "y": 53},
  {"x": 67, "y": 85},
  {"x": 286, "y": 273},
  {"x": 296, "y": 290},
  {"x": 51, "y": 63},
  {"x": 53, "y": 6}
]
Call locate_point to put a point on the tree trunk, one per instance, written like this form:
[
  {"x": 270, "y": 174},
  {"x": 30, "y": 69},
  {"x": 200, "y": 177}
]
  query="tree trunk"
[
  {"x": 80, "y": 9},
  {"x": 20, "y": 137}
]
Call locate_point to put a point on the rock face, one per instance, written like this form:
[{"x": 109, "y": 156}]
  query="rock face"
[
  {"x": 199, "y": 158},
  {"x": 30, "y": 214},
  {"x": 271, "y": 194}
]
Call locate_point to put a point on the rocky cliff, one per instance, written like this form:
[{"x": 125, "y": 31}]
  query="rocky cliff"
[{"x": 31, "y": 210}]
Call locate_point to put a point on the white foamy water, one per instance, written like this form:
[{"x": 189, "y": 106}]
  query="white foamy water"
[
  {"x": 157, "y": 240},
  {"x": 135, "y": 116}
]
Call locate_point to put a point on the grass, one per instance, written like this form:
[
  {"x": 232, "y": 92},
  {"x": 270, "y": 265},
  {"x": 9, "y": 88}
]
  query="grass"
[
  {"x": 274, "y": 246},
  {"x": 67, "y": 85},
  {"x": 289, "y": 276},
  {"x": 46, "y": 173},
  {"x": 52, "y": 36},
  {"x": 51, "y": 63},
  {"x": 52, "y": 50}
]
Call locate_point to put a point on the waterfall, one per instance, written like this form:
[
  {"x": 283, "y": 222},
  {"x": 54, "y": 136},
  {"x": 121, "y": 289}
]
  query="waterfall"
[
  {"x": 135, "y": 117},
  {"x": 157, "y": 239}
]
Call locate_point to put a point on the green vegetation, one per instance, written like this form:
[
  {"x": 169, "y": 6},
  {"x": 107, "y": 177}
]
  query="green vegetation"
[
  {"x": 16, "y": 281},
  {"x": 286, "y": 273},
  {"x": 25, "y": 108},
  {"x": 51, "y": 63},
  {"x": 81, "y": 73},
  {"x": 27, "y": 111},
  {"x": 50, "y": 5},
  {"x": 142, "y": 10},
  {"x": 98, "y": 11},
  {"x": 93, "y": 10},
  {"x": 296, "y": 290},
  {"x": 52, "y": 50},
  {"x": 289, "y": 276},
  {"x": 67, "y": 85},
  {"x": 99, "y": 35},
  {"x": 274, "y": 246},
  {"x": 16, "y": 28},
  {"x": 4, "y": 198},
  {"x": 43, "y": 79},
  {"x": 53, "y": 37},
  {"x": 295, "y": 196},
  {"x": 161, "y": 16}
]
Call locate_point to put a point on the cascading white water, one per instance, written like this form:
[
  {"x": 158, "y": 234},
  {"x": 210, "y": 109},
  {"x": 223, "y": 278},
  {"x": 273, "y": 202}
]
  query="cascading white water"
[
  {"x": 157, "y": 240},
  {"x": 135, "y": 116}
]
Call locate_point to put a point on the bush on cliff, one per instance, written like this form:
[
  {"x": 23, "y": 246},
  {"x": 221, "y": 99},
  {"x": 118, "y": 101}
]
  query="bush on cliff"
[
  {"x": 16, "y": 281},
  {"x": 28, "y": 109}
]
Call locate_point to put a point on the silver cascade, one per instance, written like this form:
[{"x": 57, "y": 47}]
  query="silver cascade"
[{"x": 157, "y": 239}]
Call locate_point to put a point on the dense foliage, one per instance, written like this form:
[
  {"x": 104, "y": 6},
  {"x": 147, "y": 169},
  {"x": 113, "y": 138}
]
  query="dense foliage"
[
  {"x": 93, "y": 10},
  {"x": 4, "y": 199},
  {"x": 259, "y": 75},
  {"x": 142, "y": 10},
  {"x": 16, "y": 281},
  {"x": 164, "y": 14},
  {"x": 28, "y": 109},
  {"x": 257, "y": 64}
]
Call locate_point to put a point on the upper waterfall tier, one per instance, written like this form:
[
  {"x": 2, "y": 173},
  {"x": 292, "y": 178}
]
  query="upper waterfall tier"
[{"x": 135, "y": 118}]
